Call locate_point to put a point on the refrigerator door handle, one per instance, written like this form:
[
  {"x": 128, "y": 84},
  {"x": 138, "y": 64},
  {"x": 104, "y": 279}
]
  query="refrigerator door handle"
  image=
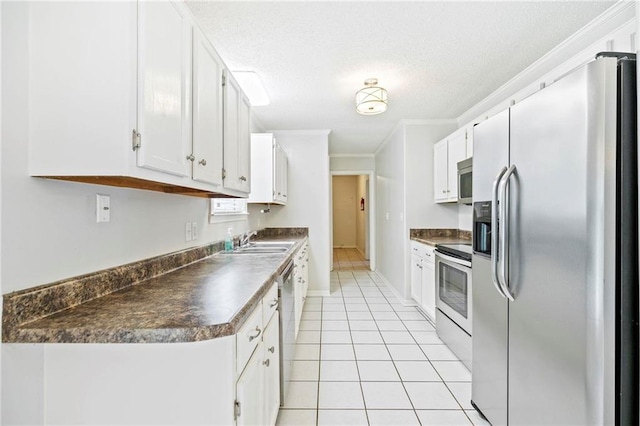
[
  {"x": 504, "y": 231},
  {"x": 495, "y": 232}
]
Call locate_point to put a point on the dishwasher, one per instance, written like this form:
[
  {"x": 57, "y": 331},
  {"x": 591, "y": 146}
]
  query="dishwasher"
[{"x": 287, "y": 328}]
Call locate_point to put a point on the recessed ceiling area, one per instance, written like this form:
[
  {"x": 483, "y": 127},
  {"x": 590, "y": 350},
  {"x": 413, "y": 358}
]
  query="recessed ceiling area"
[{"x": 436, "y": 58}]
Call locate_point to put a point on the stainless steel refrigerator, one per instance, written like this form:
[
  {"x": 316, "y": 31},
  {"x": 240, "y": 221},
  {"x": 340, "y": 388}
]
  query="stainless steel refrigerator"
[{"x": 555, "y": 263}]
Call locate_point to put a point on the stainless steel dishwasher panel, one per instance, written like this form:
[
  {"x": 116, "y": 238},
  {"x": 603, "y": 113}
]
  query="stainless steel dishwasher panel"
[{"x": 287, "y": 329}]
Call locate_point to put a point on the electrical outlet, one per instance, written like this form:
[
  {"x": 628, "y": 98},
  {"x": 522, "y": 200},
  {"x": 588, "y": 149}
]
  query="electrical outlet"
[
  {"x": 194, "y": 230},
  {"x": 187, "y": 232},
  {"x": 103, "y": 208}
]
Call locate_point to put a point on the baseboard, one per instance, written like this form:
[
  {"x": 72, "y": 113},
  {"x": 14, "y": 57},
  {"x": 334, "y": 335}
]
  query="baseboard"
[
  {"x": 318, "y": 293},
  {"x": 405, "y": 302},
  {"x": 345, "y": 247}
]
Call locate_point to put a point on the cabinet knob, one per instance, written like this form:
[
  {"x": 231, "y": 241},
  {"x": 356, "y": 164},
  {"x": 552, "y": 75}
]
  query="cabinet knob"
[
  {"x": 444, "y": 192},
  {"x": 266, "y": 362},
  {"x": 251, "y": 338},
  {"x": 272, "y": 349},
  {"x": 274, "y": 303},
  {"x": 191, "y": 157},
  {"x": 203, "y": 162},
  {"x": 243, "y": 178}
]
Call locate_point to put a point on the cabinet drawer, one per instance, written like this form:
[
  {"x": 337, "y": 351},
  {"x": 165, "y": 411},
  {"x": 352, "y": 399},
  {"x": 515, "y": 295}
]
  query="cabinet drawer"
[
  {"x": 427, "y": 253},
  {"x": 248, "y": 337},
  {"x": 269, "y": 303}
]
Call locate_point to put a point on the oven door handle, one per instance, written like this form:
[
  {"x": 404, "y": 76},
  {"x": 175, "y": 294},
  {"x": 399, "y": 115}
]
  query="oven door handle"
[
  {"x": 448, "y": 258},
  {"x": 504, "y": 233},
  {"x": 495, "y": 231}
]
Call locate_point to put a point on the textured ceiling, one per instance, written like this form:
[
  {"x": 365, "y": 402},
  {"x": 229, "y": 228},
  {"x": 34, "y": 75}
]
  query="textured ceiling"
[{"x": 436, "y": 59}]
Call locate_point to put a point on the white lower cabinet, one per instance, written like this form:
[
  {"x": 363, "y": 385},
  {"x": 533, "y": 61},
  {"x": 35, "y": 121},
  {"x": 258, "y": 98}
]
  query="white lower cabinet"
[
  {"x": 300, "y": 282},
  {"x": 231, "y": 380},
  {"x": 271, "y": 393},
  {"x": 423, "y": 278}
]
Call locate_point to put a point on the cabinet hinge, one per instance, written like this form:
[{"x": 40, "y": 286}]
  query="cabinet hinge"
[
  {"x": 236, "y": 409},
  {"x": 224, "y": 174},
  {"x": 136, "y": 140},
  {"x": 224, "y": 80}
]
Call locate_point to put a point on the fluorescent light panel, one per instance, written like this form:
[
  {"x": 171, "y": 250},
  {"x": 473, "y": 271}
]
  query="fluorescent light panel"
[{"x": 252, "y": 87}]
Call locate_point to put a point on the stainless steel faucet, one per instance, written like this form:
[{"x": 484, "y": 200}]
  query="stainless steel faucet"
[{"x": 246, "y": 237}]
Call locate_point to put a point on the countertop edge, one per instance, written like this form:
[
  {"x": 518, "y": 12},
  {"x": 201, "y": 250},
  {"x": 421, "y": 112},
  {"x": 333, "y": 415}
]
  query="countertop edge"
[{"x": 22, "y": 334}]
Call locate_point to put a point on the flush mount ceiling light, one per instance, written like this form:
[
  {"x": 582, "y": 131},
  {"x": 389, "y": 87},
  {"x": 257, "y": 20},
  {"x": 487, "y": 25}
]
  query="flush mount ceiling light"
[
  {"x": 252, "y": 87},
  {"x": 371, "y": 100}
]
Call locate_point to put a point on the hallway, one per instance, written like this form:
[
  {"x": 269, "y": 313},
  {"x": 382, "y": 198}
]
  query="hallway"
[
  {"x": 349, "y": 259},
  {"x": 362, "y": 358}
]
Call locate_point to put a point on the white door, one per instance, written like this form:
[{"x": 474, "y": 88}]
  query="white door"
[
  {"x": 164, "y": 87},
  {"x": 456, "y": 151},
  {"x": 250, "y": 393},
  {"x": 440, "y": 171},
  {"x": 416, "y": 278},
  {"x": 237, "y": 137},
  {"x": 272, "y": 370},
  {"x": 429, "y": 288},
  {"x": 207, "y": 111}
]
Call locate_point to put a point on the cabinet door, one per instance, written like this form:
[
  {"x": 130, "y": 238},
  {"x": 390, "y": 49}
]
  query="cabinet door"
[
  {"x": 284, "y": 174},
  {"x": 456, "y": 151},
  {"x": 164, "y": 87},
  {"x": 429, "y": 288},
  {"x": 249, "y": 391},
  {"x": 244, "y": 144},
  {"x": 272, "y": 370},
  {"x": 237, "y": 138},
  {"x": 416, "y": 278},
  {"x": 440, "y": 171},
  {"x": 207, "y": 111}
]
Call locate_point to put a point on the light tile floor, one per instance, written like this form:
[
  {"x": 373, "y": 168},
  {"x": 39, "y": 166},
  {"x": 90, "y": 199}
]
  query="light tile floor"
[
  {"x": 363, "y": 358},
  {"x": 348, "y": 259}
]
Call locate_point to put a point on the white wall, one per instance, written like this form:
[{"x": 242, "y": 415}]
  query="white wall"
[
  {"x": 307, "y": 202},
  {"x": 50, "y": 226},
  {"x": 344, "y": 192},
  {"x": 350, "y": 163}
]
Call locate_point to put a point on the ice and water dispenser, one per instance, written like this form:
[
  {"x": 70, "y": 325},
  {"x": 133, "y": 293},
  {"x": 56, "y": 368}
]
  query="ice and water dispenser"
[{"x": 482, "y": 227}]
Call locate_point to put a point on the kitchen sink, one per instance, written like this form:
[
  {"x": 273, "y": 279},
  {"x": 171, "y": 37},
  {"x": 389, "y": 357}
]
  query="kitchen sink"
[{"x": 265, "y": 247}]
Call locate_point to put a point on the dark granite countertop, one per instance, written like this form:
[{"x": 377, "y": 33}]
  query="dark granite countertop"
[
  {"x": 209, "y": 298},
  {"x": 433, "y": 237}
]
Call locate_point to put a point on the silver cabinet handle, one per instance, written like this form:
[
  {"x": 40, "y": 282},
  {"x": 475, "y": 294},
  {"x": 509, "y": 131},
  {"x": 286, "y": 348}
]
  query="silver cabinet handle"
[
  {"x": 257, "y": 335},
  {"x": 190, "y": 157},
  {"x": 272, "y": 349},
  {"x": 266, "y": 362},
  {"x": 504, "y": 233},
  {"x": 203, "y": 162},
  {"x": 243, "y": 178},
  {"x": 273, "y": 303},
  {"x": 444, "y": 191},
  {"x": 495, "y": 231}
]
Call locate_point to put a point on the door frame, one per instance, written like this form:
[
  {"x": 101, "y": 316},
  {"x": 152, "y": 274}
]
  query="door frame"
[{"x": 371, "y": 248}]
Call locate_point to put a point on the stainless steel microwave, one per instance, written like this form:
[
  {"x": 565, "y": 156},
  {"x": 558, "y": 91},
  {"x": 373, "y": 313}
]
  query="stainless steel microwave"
[{"x": 465, "y": 176}]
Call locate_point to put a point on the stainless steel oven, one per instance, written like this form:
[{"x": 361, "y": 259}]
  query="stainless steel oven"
[
  {"x": 453, "y": 283},
  {"x": 453, "y": 299}
]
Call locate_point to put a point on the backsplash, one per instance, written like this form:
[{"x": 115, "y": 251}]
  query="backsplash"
[{"x": 426, "y": 233}]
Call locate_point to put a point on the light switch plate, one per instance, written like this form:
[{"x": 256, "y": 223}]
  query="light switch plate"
[
  {"x": 187, "y": 232},
  {"x": 194, "y": 230},
  {"x": 103, "y": 208}
]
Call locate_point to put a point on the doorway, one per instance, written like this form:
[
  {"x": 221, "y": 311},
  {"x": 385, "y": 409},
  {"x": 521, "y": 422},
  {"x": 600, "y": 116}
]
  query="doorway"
[{"x": 351, "y": 220}]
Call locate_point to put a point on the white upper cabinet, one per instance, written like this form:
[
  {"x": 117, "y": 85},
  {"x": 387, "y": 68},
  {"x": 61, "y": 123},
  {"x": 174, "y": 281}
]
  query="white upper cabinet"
[
  {"x": 207, "y": 111},
  {"x": 130, "y": 94},
  {"x": 237, "y": 138},
  {"x": 446, "y": 155},
  {"x": 164, "y": 90},
  {"x": 269, "y": 173}
]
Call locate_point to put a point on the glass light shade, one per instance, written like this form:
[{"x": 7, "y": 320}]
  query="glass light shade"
[{"x": 371, "y": 100}]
